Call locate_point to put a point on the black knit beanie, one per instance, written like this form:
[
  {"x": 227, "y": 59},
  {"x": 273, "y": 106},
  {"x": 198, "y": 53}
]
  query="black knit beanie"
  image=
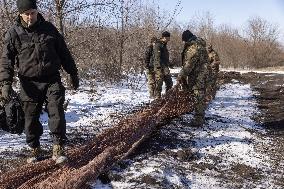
[
  {"x": 24, "y": 5},
  {"x": 166, "y": 34},
  {"x": 186, "y": 35}
]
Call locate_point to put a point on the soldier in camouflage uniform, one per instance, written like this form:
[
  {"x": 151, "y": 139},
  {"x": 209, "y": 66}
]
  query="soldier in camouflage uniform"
[
  {"x": 149, "y": 66},
  {"x": 214, "y": 62},
  {"x": 161, "y": 64},
  {"x": 39, "y": 51},
  {"x": 2, "y": 109},
  {"x": 192, "y": 76}
]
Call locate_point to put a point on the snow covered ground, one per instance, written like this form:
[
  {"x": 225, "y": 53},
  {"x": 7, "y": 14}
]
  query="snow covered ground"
[
  {"x": 227, "y": 142},
  {"x": 228, "y": 139},
  {"x": 87, "y": 111}
]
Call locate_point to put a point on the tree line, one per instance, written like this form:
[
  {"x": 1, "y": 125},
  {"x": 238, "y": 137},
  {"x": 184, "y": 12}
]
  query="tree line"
[{"x": 108, "y": 37}]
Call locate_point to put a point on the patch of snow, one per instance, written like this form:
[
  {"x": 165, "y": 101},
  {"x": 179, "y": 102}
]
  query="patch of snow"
[
  {"x": 100, "y": 185},
  {"x": 203, "y": 181},
  {"x": 234, "y": 139},
  {"x": 247, "y": 71}
]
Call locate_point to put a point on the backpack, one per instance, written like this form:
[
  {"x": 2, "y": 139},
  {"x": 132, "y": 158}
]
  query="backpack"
[{"x": 12, "y": 117}]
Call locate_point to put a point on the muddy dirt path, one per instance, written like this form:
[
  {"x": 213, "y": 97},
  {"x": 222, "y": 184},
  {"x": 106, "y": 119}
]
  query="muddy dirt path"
[{"x": 270, "y": 99}]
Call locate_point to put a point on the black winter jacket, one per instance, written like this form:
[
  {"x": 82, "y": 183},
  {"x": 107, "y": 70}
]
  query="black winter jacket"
[
  {"x": 161, "y": 55},
  {"x": 38, "y": 52},
  {"x": 149, "y": 57}
]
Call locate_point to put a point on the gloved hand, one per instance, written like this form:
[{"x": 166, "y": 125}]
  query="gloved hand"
[
  {"x": 7, "y": 91},
  {"x": 167, "y": 71},
  {"x": 171, "y": 66},
  {"x": 75, "y": 81}
]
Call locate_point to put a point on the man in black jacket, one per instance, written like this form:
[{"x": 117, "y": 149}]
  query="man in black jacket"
[
  {"x": 161, "y": 64},
  {"x": 38, "y": 51}
]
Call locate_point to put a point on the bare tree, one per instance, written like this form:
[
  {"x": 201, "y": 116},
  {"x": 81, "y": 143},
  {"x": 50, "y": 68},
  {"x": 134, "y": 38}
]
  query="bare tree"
[
  {"x": 204, "y": 25},
  {"x": 7, "y": 11},
  {"x": 175, "y": 12},
  {"x": 62, "y": 9},
  {"x": 7, "y": 16},
  {"x": 108, "y": 37},
  {"x": 263, "y": 46}
]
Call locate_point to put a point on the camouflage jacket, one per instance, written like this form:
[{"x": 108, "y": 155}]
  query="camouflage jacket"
[
  {"x": 160, "y": 55},
  {"x": 38, "y": 52},
  {"x": 195, "y": 63},
  {"x": 214, "y": 61}
]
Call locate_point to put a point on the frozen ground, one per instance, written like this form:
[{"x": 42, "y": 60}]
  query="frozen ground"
[
  {"x": 87, "y": 113},
  {"x": 232, "y": 150},
  {"x": 227, "y": 143}
]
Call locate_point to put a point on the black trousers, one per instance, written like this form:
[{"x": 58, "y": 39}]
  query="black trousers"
[{"x": 33, "y": 94}]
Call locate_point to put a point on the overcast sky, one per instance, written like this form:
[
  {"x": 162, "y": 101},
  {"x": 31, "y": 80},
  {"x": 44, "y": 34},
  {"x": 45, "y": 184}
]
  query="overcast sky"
[{"x": 233, "y": 12}]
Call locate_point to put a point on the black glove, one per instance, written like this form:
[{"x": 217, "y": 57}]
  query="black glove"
[
  {"x": 171, "y": 66},
  {"x": 7, "y": 91},
  {"x": 75, "y": 81}
]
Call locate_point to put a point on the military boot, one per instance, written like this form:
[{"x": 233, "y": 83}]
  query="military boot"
[
  {"x": 152, "y": 94},
  {"x": 58, "y": 154},
  {"x": 35, "y": 155},
  {"x": 197, "y": 121},
  {"x": 157, "y": 94}
]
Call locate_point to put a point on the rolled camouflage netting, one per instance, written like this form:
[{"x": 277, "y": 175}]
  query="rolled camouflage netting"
[{"x": 113, "y": 144}]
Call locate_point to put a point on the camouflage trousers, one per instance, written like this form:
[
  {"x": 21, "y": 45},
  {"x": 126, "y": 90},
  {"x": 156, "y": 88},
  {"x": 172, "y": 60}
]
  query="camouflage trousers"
[
  {"x": 162, "y": 75},
  {"x": 2, "y": 111},
  {"x": 200, "y": 106},
  {"x": 151, "y": 81},
  {"x": 211, "y": 87}
]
